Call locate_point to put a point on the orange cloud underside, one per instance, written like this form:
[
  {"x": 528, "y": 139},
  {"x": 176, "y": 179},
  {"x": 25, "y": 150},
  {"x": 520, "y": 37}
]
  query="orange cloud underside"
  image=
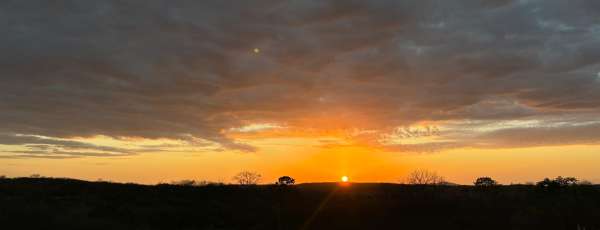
[{"x": 308, "y": 160}]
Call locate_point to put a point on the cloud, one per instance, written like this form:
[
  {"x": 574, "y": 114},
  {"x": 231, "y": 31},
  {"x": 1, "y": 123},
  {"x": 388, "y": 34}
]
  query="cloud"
[
  {"x": 186, "y": 69},
  {"x": 23, "y": 146},
  {"x": 540, "y": 136},
  {"x": 43, "y": 147}
]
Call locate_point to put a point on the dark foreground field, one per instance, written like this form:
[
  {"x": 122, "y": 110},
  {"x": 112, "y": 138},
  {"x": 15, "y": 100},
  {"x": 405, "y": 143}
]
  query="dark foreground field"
[{"x": 40, "y": 203}]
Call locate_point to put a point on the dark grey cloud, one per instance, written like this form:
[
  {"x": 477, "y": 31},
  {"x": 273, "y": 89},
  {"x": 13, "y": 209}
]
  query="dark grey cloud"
[{"x": 185, "y": 69}]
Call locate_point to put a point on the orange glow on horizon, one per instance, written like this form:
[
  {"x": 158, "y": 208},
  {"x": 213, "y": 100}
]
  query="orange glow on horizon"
[{"x": 317, "y": 158}]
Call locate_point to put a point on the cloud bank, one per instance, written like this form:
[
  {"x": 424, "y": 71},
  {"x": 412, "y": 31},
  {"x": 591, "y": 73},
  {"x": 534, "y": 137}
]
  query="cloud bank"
[{"x": 186, "y": 70}]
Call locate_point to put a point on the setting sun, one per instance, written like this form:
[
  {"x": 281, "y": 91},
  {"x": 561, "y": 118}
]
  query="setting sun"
[{"x": 344, "y": 178}]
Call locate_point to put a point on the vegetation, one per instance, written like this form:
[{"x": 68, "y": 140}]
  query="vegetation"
[
  {"x": 424, "y": 177},
  {"x": 557, "y": 183},
  {"x": 285, "y": 180},
  {"x": 485, "y": 182},
  {"x": 247, "y": 178},
  {"x": 196, "y": 183},
  {"x": 47, "y": 203}
]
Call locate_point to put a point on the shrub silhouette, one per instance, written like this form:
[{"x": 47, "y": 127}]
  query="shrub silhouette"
[
  {"x": 557, "y": 183},
  {"x": 485, "y": 182},
  {"x": 196, "y": 183},
  {"x": 184, "y": 182},
  {"x": 566, "y": 181},
  {"x": 285, "y": 180}
]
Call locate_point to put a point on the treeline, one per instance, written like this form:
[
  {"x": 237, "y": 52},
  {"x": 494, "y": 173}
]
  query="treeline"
[
  {"x": 54, "y": 203},
  {"x": 416, "y": 177}
]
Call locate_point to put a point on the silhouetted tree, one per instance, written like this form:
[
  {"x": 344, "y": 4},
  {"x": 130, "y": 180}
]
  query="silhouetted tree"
[
  {"x": 424, "y": 177},
  {"x": 485, "y": 182},
  {"x": 566, "y": 181},
  {"x": 547, "y": 184},
  {"x": 559, "y": 182},
  {"x": 285, "y": 180},
  {"x": 247, "y": 178}
]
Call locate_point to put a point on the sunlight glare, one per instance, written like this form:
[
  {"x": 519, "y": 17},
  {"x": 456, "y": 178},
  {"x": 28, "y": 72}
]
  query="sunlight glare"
[{"x": 344, "y": 178}]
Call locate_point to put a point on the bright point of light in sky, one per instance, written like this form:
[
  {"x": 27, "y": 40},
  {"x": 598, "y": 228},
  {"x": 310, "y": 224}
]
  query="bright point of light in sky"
[{"x": 344, "y": 178}]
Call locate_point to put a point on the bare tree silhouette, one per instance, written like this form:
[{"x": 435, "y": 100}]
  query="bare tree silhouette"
[
  {"x": 424, "y": 177},
  {"x": 247, "y": 178}
]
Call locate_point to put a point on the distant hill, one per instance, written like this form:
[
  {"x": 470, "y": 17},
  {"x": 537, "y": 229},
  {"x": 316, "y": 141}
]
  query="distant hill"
[{"x": 46, "y": 203}]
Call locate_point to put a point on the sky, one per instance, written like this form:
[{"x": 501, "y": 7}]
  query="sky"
[{"x": 158, "y": 90}]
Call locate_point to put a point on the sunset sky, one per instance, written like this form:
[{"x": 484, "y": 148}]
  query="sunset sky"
[{"x": 152, "y": 91}]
